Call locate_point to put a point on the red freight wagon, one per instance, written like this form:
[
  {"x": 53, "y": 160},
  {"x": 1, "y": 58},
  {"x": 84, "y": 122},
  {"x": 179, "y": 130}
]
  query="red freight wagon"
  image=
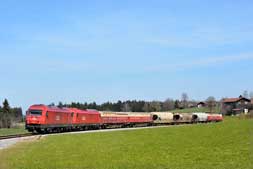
[
  {"x": 140, "y": 118},
  {"x": 114, "y": 119},
  {"x": 214, "y": 117},
  {"x": 86, "y": 117},
  {"x": 43, "y": 118}
]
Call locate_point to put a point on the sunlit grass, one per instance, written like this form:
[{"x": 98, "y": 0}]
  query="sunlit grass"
[
  {"x": 225, "y": 145},
  {"x": 11, "y": 131}
]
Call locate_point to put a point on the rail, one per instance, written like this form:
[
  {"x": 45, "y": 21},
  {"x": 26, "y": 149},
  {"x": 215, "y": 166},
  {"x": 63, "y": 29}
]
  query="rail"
[{"x": 15, "y": 136}]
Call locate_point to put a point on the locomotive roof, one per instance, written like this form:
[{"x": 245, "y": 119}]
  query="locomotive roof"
[
  {"x": 62, "y": 109},
  {"x": 49, "y": 108},
  {"x": 93, "y": 111}
]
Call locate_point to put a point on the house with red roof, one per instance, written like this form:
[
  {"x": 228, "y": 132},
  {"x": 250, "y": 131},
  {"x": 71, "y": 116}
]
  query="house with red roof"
[{"x": 235, "y": 105}]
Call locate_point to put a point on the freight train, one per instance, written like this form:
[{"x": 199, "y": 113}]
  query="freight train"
[{"x": 46, "y": 119}]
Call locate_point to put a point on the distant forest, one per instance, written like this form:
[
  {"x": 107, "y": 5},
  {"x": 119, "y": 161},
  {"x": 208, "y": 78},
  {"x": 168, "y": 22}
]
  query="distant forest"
[
  {"x": 135, "y": 105},
  {"x": 126, "y": 106}
]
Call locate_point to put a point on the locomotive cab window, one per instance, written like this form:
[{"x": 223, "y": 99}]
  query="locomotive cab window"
[{"x": 35, "y": 112}]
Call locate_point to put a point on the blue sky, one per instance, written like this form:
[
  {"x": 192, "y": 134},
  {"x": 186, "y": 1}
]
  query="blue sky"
[{"x": 108, "y": 50}]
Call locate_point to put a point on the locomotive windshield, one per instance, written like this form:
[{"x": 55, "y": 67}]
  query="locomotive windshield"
[{"x": 35, "y": 112}]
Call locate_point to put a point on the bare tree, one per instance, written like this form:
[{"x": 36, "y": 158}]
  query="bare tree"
[
  {"x": 211, "y": 103},
  {"x": 155, "y": 106},
  {"x": 245, "y": 94},
  {"x": 146, "y": 107},
  {"x": 251, "y": 95},
  {"x": 126, "y": 108},
  {"x": 184, "y": 99},
  {"x": 177, "y": 104},
  {"x": 168, "y": 104},
  {"x": 1, "y": 119}
]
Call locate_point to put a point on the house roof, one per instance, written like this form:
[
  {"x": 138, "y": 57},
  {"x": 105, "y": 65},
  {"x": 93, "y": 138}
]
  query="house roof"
[
  {"x": 201, "y": 103},
  {"x": 231, "y": 100}
]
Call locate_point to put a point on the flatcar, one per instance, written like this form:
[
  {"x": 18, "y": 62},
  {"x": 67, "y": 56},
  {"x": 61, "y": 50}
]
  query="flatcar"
[
  {"x": 140, "y": 119},
  {"x": 114, "y": 119}
]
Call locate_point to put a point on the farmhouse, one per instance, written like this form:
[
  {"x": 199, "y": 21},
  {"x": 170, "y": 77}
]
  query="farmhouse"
[
  {"x": 201, "y": 104},
  {"x": 235, "y": 105}
]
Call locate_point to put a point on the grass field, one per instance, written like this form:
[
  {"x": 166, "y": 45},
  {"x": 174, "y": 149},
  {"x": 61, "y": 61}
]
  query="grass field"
[
  {"x": 10, "y": 131},
  {"x": 226, "y": 145}
]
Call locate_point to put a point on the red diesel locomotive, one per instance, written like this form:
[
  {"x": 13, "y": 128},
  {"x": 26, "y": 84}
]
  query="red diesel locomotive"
[{"x": 43, "y": 118}]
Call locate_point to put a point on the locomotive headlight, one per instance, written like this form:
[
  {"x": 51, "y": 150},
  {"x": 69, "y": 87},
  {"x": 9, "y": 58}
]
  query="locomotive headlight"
[{"x": 34, "y": 118}]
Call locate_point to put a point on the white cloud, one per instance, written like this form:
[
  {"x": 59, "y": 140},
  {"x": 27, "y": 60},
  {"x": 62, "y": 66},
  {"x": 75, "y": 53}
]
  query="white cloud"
[
  {"x": 201, "y": 62},
  {"x": 202, "y": 37}
]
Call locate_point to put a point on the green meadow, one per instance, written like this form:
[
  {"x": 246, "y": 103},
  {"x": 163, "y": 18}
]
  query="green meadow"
[
  {"x": 11, "y": 131},
  {"x": 225, "y": 145}
]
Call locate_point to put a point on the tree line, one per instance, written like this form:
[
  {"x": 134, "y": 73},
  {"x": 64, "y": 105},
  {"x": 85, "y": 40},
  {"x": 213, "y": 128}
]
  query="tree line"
[
  {"x": 135, "y": 105},
  {"x": 9, "y": 116}
]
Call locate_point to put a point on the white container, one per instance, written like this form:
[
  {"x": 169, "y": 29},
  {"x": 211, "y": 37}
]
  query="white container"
[
  {"x": 199, "y": 117},
  {"x": 162, "y": 117}
]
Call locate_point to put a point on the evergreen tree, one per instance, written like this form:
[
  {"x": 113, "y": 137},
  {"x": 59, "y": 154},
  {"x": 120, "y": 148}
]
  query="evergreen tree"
[
  {"x": 60, "y": 105},
  {"x": 6, "y": 114},
  {"x": 6, "y": 106}
]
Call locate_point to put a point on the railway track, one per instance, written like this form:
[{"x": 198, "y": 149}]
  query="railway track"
[{"x": 16, "y": 136}]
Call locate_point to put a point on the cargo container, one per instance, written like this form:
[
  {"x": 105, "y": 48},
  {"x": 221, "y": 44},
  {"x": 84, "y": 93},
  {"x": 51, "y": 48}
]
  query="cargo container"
[
  {"x": 182, "y": 118},
  {"x": 214, "y": 117},
  {"x": 162, "y": 117},
  {"x": 199, "y": 117}
]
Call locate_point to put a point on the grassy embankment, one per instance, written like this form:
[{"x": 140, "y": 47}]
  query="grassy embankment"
[
  {"x": 20, "y": 129},
  {"x": 226, "y": 145}
]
